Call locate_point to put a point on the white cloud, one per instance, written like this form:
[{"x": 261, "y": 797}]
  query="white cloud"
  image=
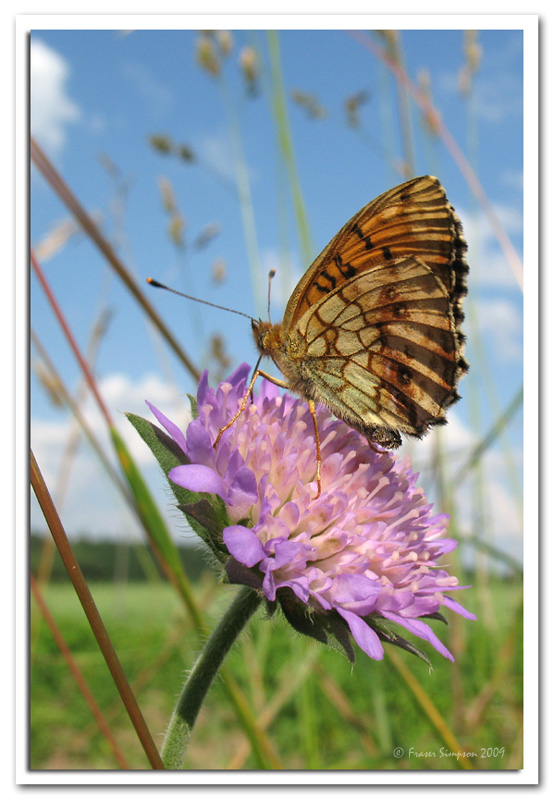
[
  {"x": 217, "y": 153},
  {"x": 122, "y": 396},
  {"x": 487, "y": 263},
  {"x": 477, "y": 225},
  {"x": 498, "y": 98},
  {"x": 97, "y": 123},
  {"x": 513, "y": 178},
  {"x": 500, "y": 320},
  {"x": 502, "y": 518},
  {"x": 157, "y": 96},
  {"x": 52, "y": 109},
  {"x": 92, "y": 505},
  {"x": 456, "y": 441}
]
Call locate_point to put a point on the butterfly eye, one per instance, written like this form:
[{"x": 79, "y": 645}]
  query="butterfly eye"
[{"x": 259, "y": 330}]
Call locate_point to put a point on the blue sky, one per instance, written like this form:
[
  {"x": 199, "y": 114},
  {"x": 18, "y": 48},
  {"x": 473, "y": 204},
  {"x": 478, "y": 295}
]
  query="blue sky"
[{"x": 104, "y": 93}]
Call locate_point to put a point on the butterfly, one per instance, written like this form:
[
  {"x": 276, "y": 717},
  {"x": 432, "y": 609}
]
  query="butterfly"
[{"x": 372, "y": 330}]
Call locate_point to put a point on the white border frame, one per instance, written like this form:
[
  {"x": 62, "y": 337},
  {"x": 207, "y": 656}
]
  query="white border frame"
[{"x": 529, "y": 775}]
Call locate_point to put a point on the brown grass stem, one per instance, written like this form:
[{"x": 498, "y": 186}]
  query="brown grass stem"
[
  {"x": 66, "y": 195},
  {"x": 89, "y": 607},
  {"x": 70, "y": 338},
  {"x": 453, "y": 148},
  {"x": 77, "y": 674},
  {"x": 429, "y": 708}
]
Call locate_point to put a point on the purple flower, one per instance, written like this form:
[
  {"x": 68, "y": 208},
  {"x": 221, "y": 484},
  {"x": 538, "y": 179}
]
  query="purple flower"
[{"x": 363, "y": 553}]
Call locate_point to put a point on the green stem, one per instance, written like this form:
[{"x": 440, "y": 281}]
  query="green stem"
[
  {"x": 202, "y": 675},
  {"x": 287, "y": 147}
]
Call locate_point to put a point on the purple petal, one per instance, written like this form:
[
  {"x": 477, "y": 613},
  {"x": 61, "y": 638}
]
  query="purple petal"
[
  {"x": 243, "y": 544},
  {"x": 199, "y": 443},
  {"x": 446, "y": 545},
  {"x": 243, "y": 490},
  {"x": 174, "y": 431},
  {"x": 269, "y": 587},
  {"x": 421, "y": 629},
  {"x": 397, "y": 601},
  {"x": 363, "y": 634},
  {"x": 299, "y": 587},
  {"x": 419, "y": 606},
  {"x": 290, "y": 515},
  {"x": 453, "y": 605},
  {"x": 198, "y": 478},
  {"x": 203, "y": 389},
  {"x": 357, "y": 592},
  {"x": 240, "y": 374},
  {"x": 268, "y": 390},
  {"x": 286, "y": 552}
]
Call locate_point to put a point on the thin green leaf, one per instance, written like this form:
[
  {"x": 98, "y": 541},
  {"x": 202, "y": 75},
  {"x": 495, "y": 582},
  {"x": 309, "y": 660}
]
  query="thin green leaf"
[
  {"x": 148, "y": 511},
  {"x": 205, "y": 514},
  {"x": 156, "y": 529}
]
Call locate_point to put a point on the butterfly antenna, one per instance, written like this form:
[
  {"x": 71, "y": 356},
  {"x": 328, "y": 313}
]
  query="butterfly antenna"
[
  {"x": 159, "y": 285},
  {"x": 269, "y": 279}
]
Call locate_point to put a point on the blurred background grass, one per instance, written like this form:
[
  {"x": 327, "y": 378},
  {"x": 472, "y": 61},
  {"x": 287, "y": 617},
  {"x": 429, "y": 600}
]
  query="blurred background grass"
[
  {"x": 321, "y": 712},
  {"x": 283, "y": 702}
]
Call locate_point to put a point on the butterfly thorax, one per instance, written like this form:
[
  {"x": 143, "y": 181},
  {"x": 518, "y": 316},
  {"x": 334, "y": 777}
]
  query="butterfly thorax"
[{"x": 284, "y": 351}]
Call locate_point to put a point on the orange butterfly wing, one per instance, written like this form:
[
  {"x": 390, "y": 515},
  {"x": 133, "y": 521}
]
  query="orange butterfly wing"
[
  {"x": 372, "y": 329},
  {"x": 381, "y": 351},
  {"x": 412, "y": 219}
]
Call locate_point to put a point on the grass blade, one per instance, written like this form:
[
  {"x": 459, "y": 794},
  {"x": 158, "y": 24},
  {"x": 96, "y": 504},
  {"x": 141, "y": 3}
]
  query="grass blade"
[
  {"x": 77, "y": 674},
  {"x": 92, "y": 614},
  {"x": 66, "y": 196}
]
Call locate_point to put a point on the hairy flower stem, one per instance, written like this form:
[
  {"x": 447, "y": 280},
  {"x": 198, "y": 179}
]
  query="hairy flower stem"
[{"x": 202, "y": 674}]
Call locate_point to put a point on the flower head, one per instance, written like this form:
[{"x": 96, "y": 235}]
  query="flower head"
[{"x": 364, "y": 553}]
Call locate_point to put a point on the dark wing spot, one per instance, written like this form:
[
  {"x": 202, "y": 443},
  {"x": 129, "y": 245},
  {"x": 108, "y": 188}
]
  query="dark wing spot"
[
  {"x": 404, "y": 375},
  {"x": 347, "y": 270},
  {"x": 445, "y": 339},
  {"x": 368, "y": 243},
  {"x": 331, "y": 278},
  {"x": 399, "y": 309},
  {"x": 350, "y": 271},
  {"x": 463, "y": 365},
  {"x": 434, "y": 362},
  {"x": 387, "y": 253},
  {"x": 410, "y": 407},
  {"x": 322, "y": 288}
]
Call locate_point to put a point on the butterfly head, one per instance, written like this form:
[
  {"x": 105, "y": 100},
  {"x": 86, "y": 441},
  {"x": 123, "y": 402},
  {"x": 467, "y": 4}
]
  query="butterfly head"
[{"x": 266, "y": 336}]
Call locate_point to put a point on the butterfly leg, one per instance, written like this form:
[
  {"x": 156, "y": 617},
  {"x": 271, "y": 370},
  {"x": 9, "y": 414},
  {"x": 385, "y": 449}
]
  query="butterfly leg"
[
  {"x": 311, "y": 406},
  {"x": 257, "y": 374}
]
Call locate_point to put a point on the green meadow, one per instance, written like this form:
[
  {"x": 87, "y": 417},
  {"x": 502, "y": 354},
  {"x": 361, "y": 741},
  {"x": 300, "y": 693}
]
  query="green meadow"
[
  {"x": 99, "y": 334},
  {"x": 317, "y": 710}
]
